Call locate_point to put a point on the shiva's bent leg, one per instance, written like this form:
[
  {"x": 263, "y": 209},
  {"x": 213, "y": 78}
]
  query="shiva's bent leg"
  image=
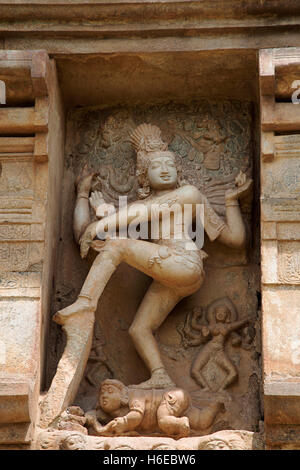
[{"x": 155, "y": 307}]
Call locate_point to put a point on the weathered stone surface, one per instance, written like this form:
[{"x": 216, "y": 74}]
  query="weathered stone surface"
[
  {"x": 70, "y": 369},
  {"x": 222, "y": 440},
  {"x": 211, "y": 164},
  {"x": 27, "y": 221},
  {"x": 281, "y": 332},
  {"x": 16, "y": 433},
  {"x": 14, "y": 406},
  {"x": 156, "y": 52},
  {"x": 280, "y": 249}
]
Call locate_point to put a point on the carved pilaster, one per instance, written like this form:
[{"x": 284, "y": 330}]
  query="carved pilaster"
[
  {"x": 31, "y": 130},
  {"x": 280, "y": 225}
]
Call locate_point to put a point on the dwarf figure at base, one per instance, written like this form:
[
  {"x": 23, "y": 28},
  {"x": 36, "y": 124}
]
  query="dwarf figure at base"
[{"x": 124, "y": 409}]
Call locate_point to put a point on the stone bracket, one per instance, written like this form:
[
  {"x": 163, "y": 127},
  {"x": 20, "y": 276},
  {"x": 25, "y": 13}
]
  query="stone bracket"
[
  {"x": 276, "y": 117},
  {"x": 29, "y": 71},
  {"x": 15, "y": 410},
  {"x": 14, "y": 401}
]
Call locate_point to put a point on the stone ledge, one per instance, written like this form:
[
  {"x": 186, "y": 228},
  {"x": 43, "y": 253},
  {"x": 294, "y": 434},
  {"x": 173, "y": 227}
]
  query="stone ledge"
[
  {"x": 282, "y": 410},
  {"x": 14, "y": 401},
  {"x": 283, "y": 437},
  {"x": 145, "y": 11},
  {"x": 289, "y": 388},
  {"x": 15, "y": 433}
]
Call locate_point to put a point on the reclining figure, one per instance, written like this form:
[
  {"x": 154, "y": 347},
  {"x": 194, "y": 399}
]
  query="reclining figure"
[{"x": 123, "y": 409}]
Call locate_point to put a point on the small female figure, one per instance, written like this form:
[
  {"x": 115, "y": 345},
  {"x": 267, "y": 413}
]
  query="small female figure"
[{"x": 218, "y": 330}]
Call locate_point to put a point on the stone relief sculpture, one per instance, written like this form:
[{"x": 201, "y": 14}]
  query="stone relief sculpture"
[
  {"x": 157, "y": 406},
  {"x": 221, "y": 440},
  {"x": 129, "y": 409},
  {"x": 211, "y": 140},
  {"x": 72, "y": 419},
  {"x": 73, "y": 442},
  {"x": 176, "y": 271},
  {"x": 221, "y": 321}
]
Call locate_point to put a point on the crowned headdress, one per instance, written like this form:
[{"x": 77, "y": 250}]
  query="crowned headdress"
[{"x": 147, "y": 138}]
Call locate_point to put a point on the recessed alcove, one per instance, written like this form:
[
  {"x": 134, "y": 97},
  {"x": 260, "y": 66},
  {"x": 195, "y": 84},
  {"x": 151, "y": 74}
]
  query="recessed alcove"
[
  {"x": 189, "y": 95},
  {"x": 219, "y": 79}
]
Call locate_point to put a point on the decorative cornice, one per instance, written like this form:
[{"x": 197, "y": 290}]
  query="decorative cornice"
[{"x": 144, "y": 18}]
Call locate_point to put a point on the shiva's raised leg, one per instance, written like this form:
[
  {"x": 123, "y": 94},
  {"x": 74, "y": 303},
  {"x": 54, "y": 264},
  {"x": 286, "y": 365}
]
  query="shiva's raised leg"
[{"x": 140, "y": 255}]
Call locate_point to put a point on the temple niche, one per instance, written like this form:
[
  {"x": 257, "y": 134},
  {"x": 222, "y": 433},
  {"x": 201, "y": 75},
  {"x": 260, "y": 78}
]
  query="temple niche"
[
  {"x": 214, "y": 145},
  {"x": 147, "y": 343}
]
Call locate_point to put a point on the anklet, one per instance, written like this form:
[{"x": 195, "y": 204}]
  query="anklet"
[
  {"x": 157, "y": 368},
  {"x": 231, "y": 203},
  {"x": 82, "y": 196},
  {"x": 85, "y": 296}
]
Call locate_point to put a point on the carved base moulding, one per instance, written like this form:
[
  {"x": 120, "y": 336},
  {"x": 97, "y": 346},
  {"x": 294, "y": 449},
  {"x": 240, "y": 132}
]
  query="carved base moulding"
[{"x": 222, "y": 440}]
